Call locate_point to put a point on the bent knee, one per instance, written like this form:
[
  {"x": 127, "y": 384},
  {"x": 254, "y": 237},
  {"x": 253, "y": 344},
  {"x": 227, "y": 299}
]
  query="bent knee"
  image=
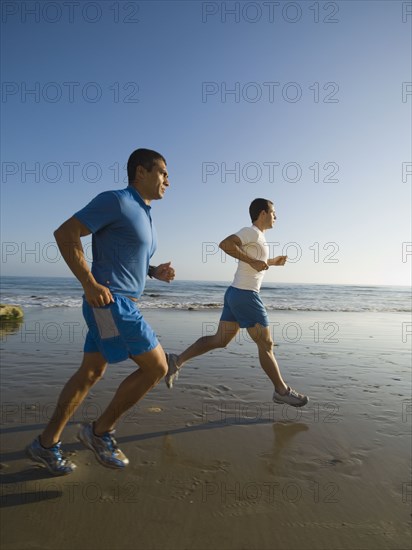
[
  {"x": 221, "y": 341},
  {"x": 158, "y": 370},
  {"x": 89, "y": 376},
  {"x": 265, "y": 345},
  {"x": 163, "y": 368},
  {"x": 153, "y": 363},
  {"x": 93, "y": 367},
  {"x": 94, "y": 375}
]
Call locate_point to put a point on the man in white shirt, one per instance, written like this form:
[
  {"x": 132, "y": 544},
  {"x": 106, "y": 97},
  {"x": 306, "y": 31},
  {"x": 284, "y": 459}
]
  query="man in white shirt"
[{"x": 243, "y": 307}]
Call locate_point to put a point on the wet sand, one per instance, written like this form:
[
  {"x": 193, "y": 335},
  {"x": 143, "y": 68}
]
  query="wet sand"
[{"x": 214, "y": 464}]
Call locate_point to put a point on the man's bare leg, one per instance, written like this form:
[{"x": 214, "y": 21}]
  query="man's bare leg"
[
  {"x": 153, "y": 367},
  {"x": 261, "y": 336},
  {"x": 72, "y": 395},
  {"x": 225, "y": 333}
]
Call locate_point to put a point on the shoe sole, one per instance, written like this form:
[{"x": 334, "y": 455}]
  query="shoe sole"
[
  {"x": 43, "y": 463},
  {"x": 169, "y": 383},
  {"x": 291, "y": 404},
  {"x": 91, "y": 448}
]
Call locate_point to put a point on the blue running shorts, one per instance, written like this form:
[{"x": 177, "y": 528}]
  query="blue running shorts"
[
  {"x": 117, "y": 330},
  {"x": 244, "y": 307}
]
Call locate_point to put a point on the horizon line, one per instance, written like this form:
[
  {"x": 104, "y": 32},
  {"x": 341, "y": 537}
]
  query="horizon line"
[{"x": 223, "y": 281}]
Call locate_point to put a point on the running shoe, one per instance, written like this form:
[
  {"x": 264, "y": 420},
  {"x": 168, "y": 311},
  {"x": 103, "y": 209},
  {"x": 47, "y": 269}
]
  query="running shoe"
[
  {"x": 52, "y": 458},
  {"x": 173, "y": 370},
  {"x": 104, "y": 447},
  {"x": 292, "y": 397}
]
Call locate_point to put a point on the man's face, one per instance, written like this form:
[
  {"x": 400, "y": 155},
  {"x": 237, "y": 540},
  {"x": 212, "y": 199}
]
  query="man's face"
[
  {"x": 155, "y": 181},
  {"x": 270, "y": 216}
]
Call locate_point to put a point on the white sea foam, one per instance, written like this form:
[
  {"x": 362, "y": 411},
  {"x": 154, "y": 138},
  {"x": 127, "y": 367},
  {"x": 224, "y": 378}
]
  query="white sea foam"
[{"x": 195, "y": 295}]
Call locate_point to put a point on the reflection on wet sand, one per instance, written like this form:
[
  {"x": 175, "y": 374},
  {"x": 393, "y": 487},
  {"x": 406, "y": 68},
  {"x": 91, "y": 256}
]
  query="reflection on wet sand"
[{"x": 9, "y": 326}]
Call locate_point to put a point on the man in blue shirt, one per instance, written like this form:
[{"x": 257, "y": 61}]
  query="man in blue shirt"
[{"x": 123, "y": 241}]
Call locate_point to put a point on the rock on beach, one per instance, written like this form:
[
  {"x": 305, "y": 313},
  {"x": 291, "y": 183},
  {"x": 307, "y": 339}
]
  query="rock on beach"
[{"x": 10, "y": 312}]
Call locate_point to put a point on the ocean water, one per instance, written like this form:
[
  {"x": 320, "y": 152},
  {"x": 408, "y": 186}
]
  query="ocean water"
[{"x": 66, "y": 292}]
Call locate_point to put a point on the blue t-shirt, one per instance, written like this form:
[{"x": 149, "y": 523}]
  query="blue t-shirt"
[{"x": 124, "y": 239}]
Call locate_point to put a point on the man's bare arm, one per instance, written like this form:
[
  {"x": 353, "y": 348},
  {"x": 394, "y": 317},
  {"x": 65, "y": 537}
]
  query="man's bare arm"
[
  {"x": 68, "y": 240},
  {"x": 232, "y": 246},
  {"x": 279, "y": 260}
]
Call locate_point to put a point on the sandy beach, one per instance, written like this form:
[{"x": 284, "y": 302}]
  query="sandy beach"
[{"x": 214, "y": 463}]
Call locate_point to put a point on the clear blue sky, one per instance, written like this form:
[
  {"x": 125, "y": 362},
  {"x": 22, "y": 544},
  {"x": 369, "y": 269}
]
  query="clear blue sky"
[{"x": 313, "y": 101}]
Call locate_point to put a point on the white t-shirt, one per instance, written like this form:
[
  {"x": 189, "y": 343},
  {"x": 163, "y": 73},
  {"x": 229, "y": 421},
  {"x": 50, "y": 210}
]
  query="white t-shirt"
[{"x": 255, "y": 246}]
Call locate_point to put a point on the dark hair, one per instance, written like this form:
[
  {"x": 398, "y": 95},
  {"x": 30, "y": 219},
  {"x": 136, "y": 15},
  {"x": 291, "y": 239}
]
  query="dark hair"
[
  {"x": 256, "y": 207},
  {"x": 142, "y": 157}
]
